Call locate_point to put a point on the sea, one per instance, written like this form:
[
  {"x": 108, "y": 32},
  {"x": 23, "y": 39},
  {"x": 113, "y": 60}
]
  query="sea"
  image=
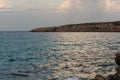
[{"x": 57, "y": 55}]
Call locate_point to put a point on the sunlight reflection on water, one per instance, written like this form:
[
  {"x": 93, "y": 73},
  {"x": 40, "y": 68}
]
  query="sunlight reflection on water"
[
  {"x": 86, "y": 54},
  {"x": 57, "y": 55}
]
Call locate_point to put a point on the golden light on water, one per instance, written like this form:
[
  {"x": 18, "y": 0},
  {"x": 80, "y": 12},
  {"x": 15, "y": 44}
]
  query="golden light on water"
[{"x": 83, "y": 54}]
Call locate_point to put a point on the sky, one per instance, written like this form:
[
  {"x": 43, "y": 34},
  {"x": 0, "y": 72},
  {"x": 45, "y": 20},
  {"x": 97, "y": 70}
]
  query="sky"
[{"x": 24, "y": 15}]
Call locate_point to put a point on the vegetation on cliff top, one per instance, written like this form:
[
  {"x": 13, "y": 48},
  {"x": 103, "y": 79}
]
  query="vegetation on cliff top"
[{"x": 84, "y": 27}]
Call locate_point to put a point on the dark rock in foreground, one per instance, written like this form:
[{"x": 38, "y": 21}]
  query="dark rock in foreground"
[
  {"x": 115, "y": 76},
  {"x": 86, "y": 27},
  {"x": 117, "y": 59},
  {"x": 99, "y": 77}
]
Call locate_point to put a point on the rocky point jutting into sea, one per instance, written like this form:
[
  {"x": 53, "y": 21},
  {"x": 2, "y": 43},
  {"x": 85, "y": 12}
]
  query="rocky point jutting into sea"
[{"x": 84, "y": 27}]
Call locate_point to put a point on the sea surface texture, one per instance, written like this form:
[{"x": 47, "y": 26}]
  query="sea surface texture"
[{"x": 42, "y": 56}]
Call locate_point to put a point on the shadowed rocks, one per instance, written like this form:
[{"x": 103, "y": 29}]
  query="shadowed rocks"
[
  {"x": 117, "y": 59},
  {"x": 99, "y": 77},
  {"x": 115, "y": 76}
]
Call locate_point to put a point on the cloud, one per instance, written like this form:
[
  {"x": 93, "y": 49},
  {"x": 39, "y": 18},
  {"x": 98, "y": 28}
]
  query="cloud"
[
  {"x": 4, "y": 4},
  {"x": 87, "y": 5},
  {"x": 64, "y": 6},
  {"x": 27, "y": 5},
  {"x": 111, "y": 5},
  {"x": 67, "y": 5}
]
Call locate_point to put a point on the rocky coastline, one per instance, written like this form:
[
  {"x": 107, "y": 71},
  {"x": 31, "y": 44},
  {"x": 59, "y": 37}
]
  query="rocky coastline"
[
  {"x": 115, "y": 76},
  {"x": 85, "y": 27}
]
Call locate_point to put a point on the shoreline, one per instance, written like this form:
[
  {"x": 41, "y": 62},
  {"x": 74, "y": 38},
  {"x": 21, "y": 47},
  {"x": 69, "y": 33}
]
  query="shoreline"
[{"x": 84, "y": 27}]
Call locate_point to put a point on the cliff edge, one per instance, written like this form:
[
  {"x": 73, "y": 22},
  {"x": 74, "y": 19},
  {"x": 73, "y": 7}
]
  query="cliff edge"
[{"x": 84, "y": 27}]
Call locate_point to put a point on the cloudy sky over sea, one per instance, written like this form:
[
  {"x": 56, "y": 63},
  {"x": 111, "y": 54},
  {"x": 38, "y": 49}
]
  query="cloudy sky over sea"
[{"x": 29, "y": 14}]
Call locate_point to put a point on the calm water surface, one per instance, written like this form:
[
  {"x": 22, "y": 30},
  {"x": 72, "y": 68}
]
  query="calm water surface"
[{"x": 41, "y": 56}]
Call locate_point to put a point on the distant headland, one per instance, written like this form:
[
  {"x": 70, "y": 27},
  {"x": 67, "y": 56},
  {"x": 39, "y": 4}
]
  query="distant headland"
[{"x": 83, "y": 27}]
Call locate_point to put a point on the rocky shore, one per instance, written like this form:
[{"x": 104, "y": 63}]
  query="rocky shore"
[
  {"x": 115, "y": 76},
  {"x": 85, "y": 27}
]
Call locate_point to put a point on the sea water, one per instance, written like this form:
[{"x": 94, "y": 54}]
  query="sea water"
[{"x": 42, "y": 56}]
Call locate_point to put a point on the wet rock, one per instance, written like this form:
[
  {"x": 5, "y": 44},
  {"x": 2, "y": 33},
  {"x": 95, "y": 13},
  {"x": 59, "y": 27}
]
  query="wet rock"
[
  {"x": 110, "y": 77},
  {"x": 118, "y": 69},
  {"x": 115, "y": 76},
  {"x": 117, "y": 59},
  {"x": 99, "y": 77}
]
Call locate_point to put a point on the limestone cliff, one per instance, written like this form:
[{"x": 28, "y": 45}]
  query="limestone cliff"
[{"x": 85, "y": 27}]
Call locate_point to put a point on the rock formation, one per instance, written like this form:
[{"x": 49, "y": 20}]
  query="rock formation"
[
  {"x": 86, "y": 27},
  {"x": 115, "y": 76}
]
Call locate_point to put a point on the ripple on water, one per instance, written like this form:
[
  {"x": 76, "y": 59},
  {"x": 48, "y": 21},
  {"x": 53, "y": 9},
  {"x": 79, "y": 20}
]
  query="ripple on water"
[{"x": 34, "y": 56}]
